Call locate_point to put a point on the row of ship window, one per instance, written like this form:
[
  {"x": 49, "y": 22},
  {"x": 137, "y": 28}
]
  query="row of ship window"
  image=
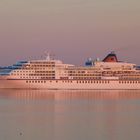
[
  {"x": 93, "y": 82},
  {"x": 42, "y": 81},
  {"x": 68, "y": 81},
  {"x": 84, "y": 75},
  {"x": 34, "y": 66},
  {"x": 37, "y": 68},
  {"x": 42, "y": 71},
  {"x": 129, "y": 82},
  {"x": 51, "y": 77},
  {"x": 41, "y": 74},
  {"x": 33, "y": 74},
  {"x": 51, "y": 74},
  {"x": 85, "y": 72}
]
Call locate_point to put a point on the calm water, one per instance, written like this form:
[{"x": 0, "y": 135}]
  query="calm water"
[{"x": 69, "y": 115}]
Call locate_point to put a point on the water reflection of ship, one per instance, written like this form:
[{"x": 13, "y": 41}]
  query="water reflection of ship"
[
  {"x": 71, "y": 94},
  {"x": 100, "y": 114}
]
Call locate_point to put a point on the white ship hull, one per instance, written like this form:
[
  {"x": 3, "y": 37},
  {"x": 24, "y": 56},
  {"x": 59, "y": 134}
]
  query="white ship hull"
[{"x": 70, "y": 85}]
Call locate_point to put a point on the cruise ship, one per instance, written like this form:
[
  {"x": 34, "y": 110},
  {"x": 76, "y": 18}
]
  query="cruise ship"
[{"x": 108, "y": 74}]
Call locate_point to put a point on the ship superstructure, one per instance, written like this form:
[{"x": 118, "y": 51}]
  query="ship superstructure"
[{"x": 54, "y": 74}]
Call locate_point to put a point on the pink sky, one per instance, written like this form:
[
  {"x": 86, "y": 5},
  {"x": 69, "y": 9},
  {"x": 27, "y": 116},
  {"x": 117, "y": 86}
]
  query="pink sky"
[{"x": 72, "y": 29}]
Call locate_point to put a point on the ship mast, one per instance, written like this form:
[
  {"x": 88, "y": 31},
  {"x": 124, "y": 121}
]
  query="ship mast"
[{"x": 48, "y": 56}]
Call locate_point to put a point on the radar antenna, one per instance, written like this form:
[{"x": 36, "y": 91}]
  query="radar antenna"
[{"x": 48, "y": 56}]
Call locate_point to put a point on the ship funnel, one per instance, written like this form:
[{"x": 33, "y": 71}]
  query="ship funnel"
[{"x": 111, "y": 57}]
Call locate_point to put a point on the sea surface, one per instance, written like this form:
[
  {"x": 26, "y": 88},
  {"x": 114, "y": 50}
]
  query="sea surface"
[{"x": 69, "y": 115}]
